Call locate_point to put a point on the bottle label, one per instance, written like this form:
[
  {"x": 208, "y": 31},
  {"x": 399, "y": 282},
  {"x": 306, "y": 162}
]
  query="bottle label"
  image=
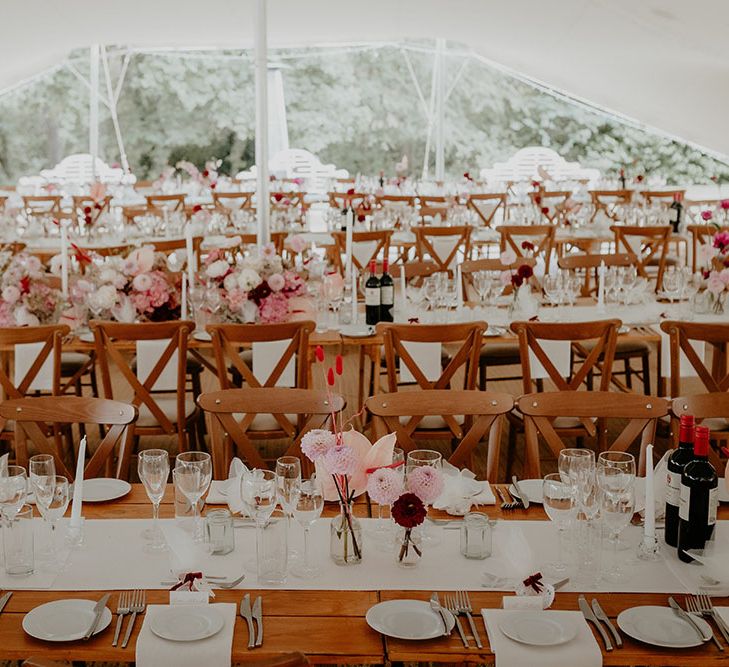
[
  {"x": 683, "y": 504},
  {"x": 713, "y": 505},
  {"x": 372, "y": 296},
  {"x": 387, "y": 294},
  {"x": 673, "y": 488}
]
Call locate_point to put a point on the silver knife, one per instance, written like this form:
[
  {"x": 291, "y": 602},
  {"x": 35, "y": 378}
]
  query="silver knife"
[
  {"x": 4, "y": 600},
  {"x": 435, "y": 606},
  {"x": 520, "y": 493},
  {"x": 98, "y": 611},
  {"x": 602, "y": 616},
  {"x": 687, "y": 617},
  {"x": 245, "y": 612},
  {"x": 258, "y": 616},
  {"x": 589, "y": 616}
]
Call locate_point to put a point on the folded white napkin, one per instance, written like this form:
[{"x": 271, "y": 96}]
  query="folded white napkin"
[
  {"x": 582, "y": 651},
  {"x": 723, "y": 613},
  {"x": 227, "y": 492},
  {"x": 215, "y": 651},
  {"x": 462, "y": 490}
]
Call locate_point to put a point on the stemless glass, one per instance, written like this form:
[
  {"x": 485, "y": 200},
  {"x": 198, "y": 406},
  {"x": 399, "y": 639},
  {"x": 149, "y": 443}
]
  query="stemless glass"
[
  {"x": 559, "y": 504},
  {"x": 616, "y": 511},
  {"x": 153, "y": 466},
  {"x": 288, "y": 485},
  {"x": 307, "y": 509},
  {"x": 192, "y": 475},
  {"x": 259, "y": 498}
]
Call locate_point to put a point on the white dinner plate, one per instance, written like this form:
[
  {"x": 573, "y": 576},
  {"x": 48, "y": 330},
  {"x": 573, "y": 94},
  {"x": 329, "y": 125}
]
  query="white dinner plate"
[
  {"x": 86, "y": 337},
  {"x": 538, "y": 629},
  {"x": 533, "y": 489},
  {"x": 356, "y": 330},
  {"x": 408, "y": 619},
  {"x": 661, "y": 626},
  {"x": 202, "y": 335},
  {"x": 187, "y": 624},
  {"x": 64, "y": 620},
  {"x": 101, "y": 489}
]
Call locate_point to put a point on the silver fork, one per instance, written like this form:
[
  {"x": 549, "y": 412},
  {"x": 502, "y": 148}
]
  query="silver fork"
[
  {"x": 464, "y": 604},
  {"x": 137, "y": 606},
  {"x": 692, "y": 607},
  {"x": 122, "y": 609},
  {"x": 703, "y": 602},
  {"x": 451, "y": 606}
]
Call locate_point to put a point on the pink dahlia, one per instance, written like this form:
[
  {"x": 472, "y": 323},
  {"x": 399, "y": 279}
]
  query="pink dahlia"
[
  {"x": 316, "y": 443},
  {"x": 340, "y": 460},
  {"x": 384, "y": 486},
  {"x": 426, "y": 483}
]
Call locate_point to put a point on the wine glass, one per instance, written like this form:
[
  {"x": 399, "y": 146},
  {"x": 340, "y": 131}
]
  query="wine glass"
[
  {"x": 553, "y": 288},
  {"x": 42, "y": 469},
  {"x": 672, "y": 283},
  {"x": 153, "y": 466},
  {"x": 13, "y": 490},
  {"x": 616, "y": 511},
  {"x": 192, "y": 474},
  {"x": 615, "y": 471},
  {"x": 306, "y": 510},
  {"x": 559, "y": 504},
  {"x": 258, "y": 494},
  {"x": 51, "y": 493},
  {"x": 288, "y": 484}
]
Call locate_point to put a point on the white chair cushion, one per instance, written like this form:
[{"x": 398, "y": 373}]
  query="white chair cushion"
[{"x": 168, "y": 405}]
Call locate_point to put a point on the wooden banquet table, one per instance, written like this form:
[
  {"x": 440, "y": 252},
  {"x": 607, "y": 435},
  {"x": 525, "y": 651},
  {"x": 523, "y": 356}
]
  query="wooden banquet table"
[{"x": 329, "y": 626}]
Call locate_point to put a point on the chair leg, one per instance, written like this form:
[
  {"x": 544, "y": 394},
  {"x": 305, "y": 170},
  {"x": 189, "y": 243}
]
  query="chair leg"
[
  {"x": 628, "y": 373},
  {"x": 510, "y": 451},
  {"x": 646, "y": 374}
]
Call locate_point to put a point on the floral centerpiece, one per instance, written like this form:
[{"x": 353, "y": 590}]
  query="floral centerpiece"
[
  {"x": 714, "y": 257},
  {"x": 258, "y": 289},
  {"x": 27, "y": 297},
  {"x": 518, "y": 278}
]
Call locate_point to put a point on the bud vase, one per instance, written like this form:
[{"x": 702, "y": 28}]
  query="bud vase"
[
  {"x": 408, "y": 546},
  {"x": 345, "y": 537}
]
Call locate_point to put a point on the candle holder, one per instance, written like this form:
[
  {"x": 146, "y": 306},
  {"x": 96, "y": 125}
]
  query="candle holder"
[
  {"x": 649, "y": 549},
  {"x": 75, "y": 534}
]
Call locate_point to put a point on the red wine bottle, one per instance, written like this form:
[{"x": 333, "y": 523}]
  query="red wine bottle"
[
  {"x": 699, "y": 498},
  {"x": 387, "y": 295},
  {"x": 676, "y": 463},
  {"x": 677, "y": 208},
  {"x": 372, "y": 296}
]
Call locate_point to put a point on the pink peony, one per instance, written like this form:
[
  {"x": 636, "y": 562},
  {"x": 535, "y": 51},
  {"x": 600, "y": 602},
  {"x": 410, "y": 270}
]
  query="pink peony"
[
  {"x": 340, "y": 460},
  {"x": 11, "y": 294},
  {"x": 140, "y": 260},
  {"x": 274, "y": 308},
  {"x": 425, "y": 482},
  {"x": 721, "y": 241},
  {"x": 316, "y": 443},
  {"x": 276, "y": 282},
  {"x": 268, "y": 251},
  {"x": 142, "y": 282},
  {"x": 715, "y": 284},
  {"x": 385, "y": 486}
]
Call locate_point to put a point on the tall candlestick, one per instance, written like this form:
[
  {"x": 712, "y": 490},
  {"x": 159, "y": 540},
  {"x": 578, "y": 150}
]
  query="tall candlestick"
[
  {"x": 78, "y": 485},
  {"x": 64, "y": 260},
  {"x": 459, "y": 287},
  {"x": 649, "y": 529},
  {"x": 183, "y": 298},
  {"x": 348, "y": 249},
  {"x": 601, "y": 285},
  {"x": 354, "y": 295},
  {"x": 190, "y": 254},
  {"x": 403, "y": 285}
]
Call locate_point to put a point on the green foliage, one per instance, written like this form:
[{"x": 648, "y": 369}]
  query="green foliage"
[{"x": 358, "y": 109}]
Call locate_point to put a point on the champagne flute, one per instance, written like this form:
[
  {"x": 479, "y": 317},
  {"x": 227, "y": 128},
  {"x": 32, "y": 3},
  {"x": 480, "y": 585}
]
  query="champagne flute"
[
  {"x": 42, "y": 468},
  {"x": 288, "y": 484},
  {"x": 192, "y": 475},
  {"x": 306, "y": 510},
  {"x": 153, "y": 466},
  {"x": 559, "y": 504}
]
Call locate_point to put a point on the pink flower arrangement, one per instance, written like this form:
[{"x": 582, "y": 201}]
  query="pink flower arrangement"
[
  {"x": 26, "y": 297},
  {"x": 426, "y": 482}
]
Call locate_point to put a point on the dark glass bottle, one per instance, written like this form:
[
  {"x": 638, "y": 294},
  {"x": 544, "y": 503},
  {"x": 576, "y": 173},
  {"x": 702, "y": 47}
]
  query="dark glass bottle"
[
  {"x": 372, "y": 296},
  {"x": 387, "y": 295},
  {"x": 343, "y": 224},
  {"x": 699, "y": 498},
  {"x": 677, "y": 209},
  {"x": 676, "y": 463}
]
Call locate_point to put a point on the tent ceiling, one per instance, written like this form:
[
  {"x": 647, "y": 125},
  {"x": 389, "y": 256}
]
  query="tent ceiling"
[{"x": 660, "y": 62}]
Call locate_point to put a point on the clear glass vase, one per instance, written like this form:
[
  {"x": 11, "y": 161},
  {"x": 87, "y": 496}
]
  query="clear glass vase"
[
  {"x": 408, "y": 546},
  {"x": 345, "y": 537}
]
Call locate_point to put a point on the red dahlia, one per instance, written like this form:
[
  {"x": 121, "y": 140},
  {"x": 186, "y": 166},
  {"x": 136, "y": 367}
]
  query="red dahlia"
[{"x": 408, "y": 511}]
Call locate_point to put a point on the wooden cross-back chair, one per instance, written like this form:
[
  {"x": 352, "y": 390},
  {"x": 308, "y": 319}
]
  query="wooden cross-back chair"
[
  {"x": 229, "y": 202},
  {"x": 171, "y": 245},
  {"x": 428, "y": 240},
  {"x": 607, "y": 201},
  {"x": 233, "y": 411},
  {"x": 553, "y": 201},
  {"x": 42, "y": 205},
  {"x": 27, "y": 413},
  {"x": 285, "y": 199},
  {"x": 493, "y": 264},
  {"x": 161, "y": 412},
  {"x": 174, "y": 202},
  {"x": 415, "y": 269},
  {"x": 375, "y": 244},
  {"x": 483, "y": 408},
  {"x": 589, "y": 263},
  {"x": 464, "y": 361},
  {"x": 96, "y": 207},
  {"x": 540, "y": 236},
  {"x": 700, "y": 235},
  {"x": 383, "y": 201},
  {"x": 132, "y": 213},
  {"x": 542, "y": 412},
  {"x": 487, "y": 204},
  {"x": 432, "y": 205},
  {"x": 665, "y": 197},
  {"x": 342, "y": 200},
  {"x": 710, "y": 410},
  {"x": 652, "y": 251}
]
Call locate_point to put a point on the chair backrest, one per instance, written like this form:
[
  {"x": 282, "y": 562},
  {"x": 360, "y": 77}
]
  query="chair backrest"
[
  {"x": 590, "y": 263},
  {"x": 608, "y": 200},
  {"x": 227, "y": 202},
  {"x": 486, "y": 205},
  {"x": 342, "y": 200},
  {"x": 174, "y": 202},
  {"x": 233, "y": 411},
  {"x": 95, "y": 208},
  {"x": 493, "y": 264},
  {"x": 662, "y": 196},
  {"x": 550, "y": 204},
  {"x": 415, "y": 269},
  {"x": 540, "y": 411},
  {"x": 290, "y": 346},
  {"x": 366, "y": 246},
  {"x": 540, "y": 236},
  {"x": 432, "y": 205},
  {"x": 485, "y": 407},
  {"x": 40, "y": 205},
  {"x": 645, "y": 245},
  {"x": 27, "y": 413},
  {"x": 397, "y": 200},
  {"x": 701, "y": 235},
  {"x": 442, "y": 244}
]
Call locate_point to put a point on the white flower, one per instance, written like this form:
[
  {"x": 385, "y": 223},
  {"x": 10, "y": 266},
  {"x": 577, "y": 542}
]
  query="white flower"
[
  {"x": 217, "y": 269},
  {"x": 230, "y": 282},
  {"x": 33, "y": 264},
  {"x": 249, "y": 311},
  {"x": 276, "y": 282},
  {"x": 11, "y": 294},
  {"x": 103, "y": 298},
  {"x": 24, "y": 318},
  {"x": 55, "y": 265},
  {"x": 248, "y": 279},
  {"x": 140, "y": 260},
  {"x": 142, "y": 282}
]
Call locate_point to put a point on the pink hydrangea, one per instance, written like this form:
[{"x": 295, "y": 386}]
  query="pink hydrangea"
[
  {"x": 316, "y": 443},
  {"x": 295, "y": 285},
  {"x": 274, "y": 308},
  {"x": 425, "y": 482},
  {"x": 340, "y": 460},
  {"x": 385, "y": 486}
]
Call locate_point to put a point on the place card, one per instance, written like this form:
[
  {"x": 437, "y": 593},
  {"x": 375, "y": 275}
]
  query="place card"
[{"x": 189, "y": 597}]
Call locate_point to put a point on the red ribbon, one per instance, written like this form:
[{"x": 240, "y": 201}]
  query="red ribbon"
[
  {"x": 369, "y": 471},
  {"x": 81, "y": 256},
  {"x": 413, "y": 320},
  {"x": 535, "y": 582},
  {"x": 189, "y": 580}
]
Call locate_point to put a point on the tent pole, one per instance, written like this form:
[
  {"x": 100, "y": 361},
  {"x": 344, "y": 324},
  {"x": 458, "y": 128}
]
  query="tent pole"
[
  {"x": 112, "y": 108},
  {"x": 440, "y": 47},
  {"x": 94, "y": 107},
  {"x": 261, "y": 60}
]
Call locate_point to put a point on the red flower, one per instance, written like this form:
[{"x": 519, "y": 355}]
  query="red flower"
[
  {"x": 330, "y": 377},
  {"x": 319, "y": 352},
  {"x": 98, "y": 206},
  {"x": 467, "y": 176},
  {"x": 339, "y": 364},
  {"x": 213, "y": 186},
  {"x": 715, "y": 179},
  {"x": 706, "y": 215},
  {"x": 535, "y": 184},
  {"x": 25, "y": 284},
  {"x": 350, "y": 191},
  {"x": 525, "y": 271},
  {"x": 277, "y": 196},
  {"x": 517, "y": 280},
  {"x": 87, "y": 210},
  {"x": 408, "y": 511},
  {"x": 724, "y": 203},
  {"x": 639, "y": 178},
  {"x": 527, "y": 245},
  {"x": 537, "y": 199},
  {"x": 196, "y": 208},
  {"x": 545, "y": 210},
  {"x": 205, "y": 173},
  {"x": 87, "y": 219},
  {"x": 361, "y": 218}
]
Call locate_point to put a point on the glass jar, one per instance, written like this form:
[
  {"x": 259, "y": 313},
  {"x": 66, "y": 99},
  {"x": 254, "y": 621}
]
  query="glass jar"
[
  {"x": 345, "y": 537},
  {"x": 219, "y": 532},
  {"x": 475, "y": 536},
  {"x": 408, "y": 546}
]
